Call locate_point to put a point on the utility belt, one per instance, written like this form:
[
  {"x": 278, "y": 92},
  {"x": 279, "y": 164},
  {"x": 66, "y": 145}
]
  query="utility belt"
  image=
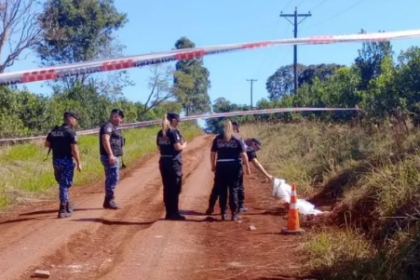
[{"x": 64, "y": 157}]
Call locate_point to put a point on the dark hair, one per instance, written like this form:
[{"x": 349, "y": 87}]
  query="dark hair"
[
  {"x": 118, "y": 111},
  {"x": 71, "y": 114},
  {"x": 172, "y": 116}
]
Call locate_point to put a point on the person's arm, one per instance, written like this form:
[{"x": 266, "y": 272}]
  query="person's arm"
[
  {"x": 213, "y": 161},
  {"x": 213, "y": 155},
  {"x": 176, "y": 140},
  {"x": 47, "y": 143},
  {"x": 245, "y": 160},
  {"x": 106, "y": 136},
  {"x": 75, "y": 150},
  {"x": 257, "y": 164}
]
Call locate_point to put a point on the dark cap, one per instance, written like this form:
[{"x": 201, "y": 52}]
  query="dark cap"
[
  {"x": 71, "y": 114},
  {"x": 235, "y": 123},
  {"x": 256, "y": 142},
  {"x": 118, "y": 111},
  {"x": 172, "y": 116}
]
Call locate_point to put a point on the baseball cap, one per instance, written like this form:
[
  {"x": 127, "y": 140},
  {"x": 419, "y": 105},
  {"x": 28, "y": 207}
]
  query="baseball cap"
[
  {"x": 235, "y": 123},
  {"x": 71, "y": 114},
  {"x": 256, "y": 142},
  {"x": 119, "y": 112},
  {"x": 172, "y": 116}
]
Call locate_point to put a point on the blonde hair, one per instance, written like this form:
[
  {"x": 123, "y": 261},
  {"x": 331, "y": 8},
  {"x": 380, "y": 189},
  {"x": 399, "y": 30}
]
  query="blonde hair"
[
  {"x": 228, "y": 131},
  {"x": 165, "y": 124}
]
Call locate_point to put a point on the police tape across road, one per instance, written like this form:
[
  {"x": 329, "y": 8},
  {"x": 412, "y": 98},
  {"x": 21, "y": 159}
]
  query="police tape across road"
[
  {"x": 188, "y": 118},
  {"x": 87, "y": 67}
]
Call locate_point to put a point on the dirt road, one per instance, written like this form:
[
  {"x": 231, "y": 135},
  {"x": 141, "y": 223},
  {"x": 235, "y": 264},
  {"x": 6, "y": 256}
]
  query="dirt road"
[{"x": 136, "y": 243}]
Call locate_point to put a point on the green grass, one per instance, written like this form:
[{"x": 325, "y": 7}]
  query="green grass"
[
  {"x": 373, "y": 182},
  {"x": 25, "y": 174}
]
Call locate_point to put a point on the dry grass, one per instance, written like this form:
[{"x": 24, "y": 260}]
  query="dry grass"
[{"x": 372, "y": 180}]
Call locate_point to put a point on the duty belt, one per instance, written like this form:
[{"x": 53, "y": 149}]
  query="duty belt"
[
  {"x": 225, "y": 160},
  {"x": 166, "y": 156}
]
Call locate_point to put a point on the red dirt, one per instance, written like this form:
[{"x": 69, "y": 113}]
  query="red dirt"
[{"x": 136, "y": 243}]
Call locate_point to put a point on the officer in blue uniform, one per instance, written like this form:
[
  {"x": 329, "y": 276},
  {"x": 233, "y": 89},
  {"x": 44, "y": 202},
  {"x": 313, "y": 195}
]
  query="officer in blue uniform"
[
  {"x": 227, "y": 155},
  {"x": 62, "y": 140},
  {"x": 111, "y": 144},
  {"x": 171, "y": 144}
]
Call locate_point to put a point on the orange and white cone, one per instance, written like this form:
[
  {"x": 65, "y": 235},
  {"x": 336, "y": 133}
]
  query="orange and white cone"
[{"x": 293, "y": 225}]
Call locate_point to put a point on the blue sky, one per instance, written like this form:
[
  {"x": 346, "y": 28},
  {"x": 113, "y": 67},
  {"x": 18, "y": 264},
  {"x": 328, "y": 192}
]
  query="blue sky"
[{"x": 155, "y": 25}]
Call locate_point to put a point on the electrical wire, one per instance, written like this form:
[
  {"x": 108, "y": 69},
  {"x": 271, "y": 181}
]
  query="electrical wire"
[
  {"x": 335, "y": 15},
  {"x": 318, "y": 5}
]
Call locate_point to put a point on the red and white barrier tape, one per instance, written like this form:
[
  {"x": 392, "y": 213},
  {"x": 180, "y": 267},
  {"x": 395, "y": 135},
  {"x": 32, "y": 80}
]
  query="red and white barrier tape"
[
  {"x": 60, "y": 71},
  {"x": 195, "y": 117}
]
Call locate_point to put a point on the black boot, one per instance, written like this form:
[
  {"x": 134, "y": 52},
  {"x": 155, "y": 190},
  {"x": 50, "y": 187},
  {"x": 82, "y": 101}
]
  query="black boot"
[
  {"x": 69, "y": 207},
  {"x": 235, "y": 216},
  {"x": 62, "y": 212},
  {"x": 209, "y": 210},
  {"x": 109, "y": 203}
]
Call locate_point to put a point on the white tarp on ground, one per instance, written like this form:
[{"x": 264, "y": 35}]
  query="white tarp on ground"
[{"x": 283, "y": 191}]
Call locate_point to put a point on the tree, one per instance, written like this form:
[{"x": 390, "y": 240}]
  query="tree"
[
  {"x": 160, "y": 87},
  {"x": 321, "y": 71},
  {"x": 282, "y": 81},
  {"x": 18, "y": 29},
  {"x": 191, "y": 82},
  {"x": 76, "y": 30},
  {"x": 368, "y": 63}
]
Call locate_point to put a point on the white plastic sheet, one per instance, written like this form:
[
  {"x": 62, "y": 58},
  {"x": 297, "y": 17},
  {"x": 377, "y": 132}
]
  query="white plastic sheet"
[{"x": 283, "y": 191}]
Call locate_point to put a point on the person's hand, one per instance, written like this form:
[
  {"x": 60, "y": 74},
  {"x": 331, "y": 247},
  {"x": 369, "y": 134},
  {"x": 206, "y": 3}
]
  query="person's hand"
[
  {"x": 79, "y": 167},
  {"x": 112, "y": 159},
  {"x": 248, "y": 171},
  {"x": 271, "y": 178}
]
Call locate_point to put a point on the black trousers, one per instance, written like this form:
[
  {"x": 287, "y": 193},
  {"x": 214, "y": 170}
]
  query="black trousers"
[
  {"x": 241, "y": 192},
  {"x": 226, "y": 184},
  {"x": 172, "y": 181}
]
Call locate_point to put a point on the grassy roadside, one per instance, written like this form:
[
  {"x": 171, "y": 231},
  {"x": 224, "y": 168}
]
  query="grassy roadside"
[
  {"x": 24, "y": 174},
  {"x": 372, "y": 181}
]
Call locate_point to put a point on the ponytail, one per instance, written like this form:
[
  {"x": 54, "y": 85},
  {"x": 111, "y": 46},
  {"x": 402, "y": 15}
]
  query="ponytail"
[
  {"x": 228, "y": 131},
  {"x": 165, "y": 124}
]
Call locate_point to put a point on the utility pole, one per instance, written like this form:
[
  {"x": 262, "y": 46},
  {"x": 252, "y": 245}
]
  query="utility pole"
[
  {"x": 295, "y": 31},
  {"x": 252, "y": 83}
]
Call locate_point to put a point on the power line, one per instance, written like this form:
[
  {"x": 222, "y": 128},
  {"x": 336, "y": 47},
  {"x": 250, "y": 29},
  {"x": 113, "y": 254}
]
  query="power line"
[
  {"x": 295, "y": 15},
  {"x": 318, "y": 5},
  {"x": 336, "y": 15}
]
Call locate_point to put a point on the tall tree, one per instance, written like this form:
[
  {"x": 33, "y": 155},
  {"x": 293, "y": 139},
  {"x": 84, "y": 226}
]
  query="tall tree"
[
  {"x": 19, "y": 29},
  {"x": 321, "y": 71},
  {"x": 78, "y": 30},
  {"x": 191, "y": 82},
  {"x": 160, "y": 87},
  {"x": 368, "y": 63},
  {"x": 281, "y": 82}
]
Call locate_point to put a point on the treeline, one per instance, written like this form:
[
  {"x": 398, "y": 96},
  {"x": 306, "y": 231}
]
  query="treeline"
[
  {"x": 385, "y": 86},
  {"x": 69, "y": 31}
]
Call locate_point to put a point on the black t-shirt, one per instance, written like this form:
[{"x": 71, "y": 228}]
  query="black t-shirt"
[
  {"x": 61, "y": 139},
  {"x": 250, "y": 152},
  {"x": 166, "y": 145},
  {"x": 228, "y": 152},
  {"x": 116, "y": 139}
]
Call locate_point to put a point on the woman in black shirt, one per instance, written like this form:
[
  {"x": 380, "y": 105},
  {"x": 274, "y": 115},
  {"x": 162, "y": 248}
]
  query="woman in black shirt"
[
  {"x": 170, "y": 143},
  {"x": 230, "y": 153}
]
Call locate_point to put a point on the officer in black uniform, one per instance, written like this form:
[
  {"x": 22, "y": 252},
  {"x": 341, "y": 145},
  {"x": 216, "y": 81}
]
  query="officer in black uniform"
[
  {"x": 111, "y": 144},
  {"x": 171, "y": 144},
  {"x": 241, "y": 189},
  {"x": 230, "y": 153},
  {"x": 62, "y": 140},
  {"x": 252, "y": 145}
]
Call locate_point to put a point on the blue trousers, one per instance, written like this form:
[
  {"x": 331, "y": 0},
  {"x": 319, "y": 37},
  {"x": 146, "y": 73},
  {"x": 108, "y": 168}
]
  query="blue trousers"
[
  {"x": 112, "y": 175},
  {"x": 63, "y": 173}
]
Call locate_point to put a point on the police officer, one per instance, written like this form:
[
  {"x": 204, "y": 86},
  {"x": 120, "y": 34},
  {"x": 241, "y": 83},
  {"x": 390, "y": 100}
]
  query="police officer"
[
  {"x": 111, "y": 144},
  {"x": 252, "y": 145},
  {"x": 62, "y": 140},
  {"x": 241, "y": 189},
  {"x": 171, "y": 144},
  {"x": 230, "y": 153}
]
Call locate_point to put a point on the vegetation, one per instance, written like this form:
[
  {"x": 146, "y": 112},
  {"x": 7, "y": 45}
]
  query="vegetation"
[{"x": 25, "y": 174}]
